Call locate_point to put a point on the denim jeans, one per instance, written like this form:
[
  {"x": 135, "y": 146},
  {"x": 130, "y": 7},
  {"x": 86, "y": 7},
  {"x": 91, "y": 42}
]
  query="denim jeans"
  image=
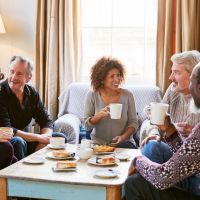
[
  {"x": 23, "y": 148},
  {"x": 160, "y": 152}
]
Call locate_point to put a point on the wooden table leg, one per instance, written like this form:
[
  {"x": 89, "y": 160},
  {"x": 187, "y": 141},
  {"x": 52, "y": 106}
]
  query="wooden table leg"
[
  {"x": 3, "y": 189},
  {"x": 113, "y": 192}
]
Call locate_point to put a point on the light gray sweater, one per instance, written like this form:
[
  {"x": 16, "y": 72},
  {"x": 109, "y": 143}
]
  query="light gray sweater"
[{"x": 108, "y": 128}]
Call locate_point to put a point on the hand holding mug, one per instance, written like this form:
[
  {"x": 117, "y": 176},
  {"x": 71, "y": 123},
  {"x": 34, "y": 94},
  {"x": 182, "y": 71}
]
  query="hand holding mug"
[{"x": 103, "y": 112}]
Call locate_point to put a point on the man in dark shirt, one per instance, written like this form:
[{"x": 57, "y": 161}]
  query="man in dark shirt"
[{"x": 19, "y": 104}]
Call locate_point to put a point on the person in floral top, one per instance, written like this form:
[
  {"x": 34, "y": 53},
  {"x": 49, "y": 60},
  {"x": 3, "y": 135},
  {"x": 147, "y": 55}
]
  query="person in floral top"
[{"x": 179, "y": 177}]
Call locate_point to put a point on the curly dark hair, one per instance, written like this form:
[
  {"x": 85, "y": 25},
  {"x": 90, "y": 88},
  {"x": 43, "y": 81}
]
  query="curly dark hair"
[{"x": 101, "y": 68}]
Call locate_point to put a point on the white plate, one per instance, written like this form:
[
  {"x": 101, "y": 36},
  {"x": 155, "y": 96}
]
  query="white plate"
[
  {"x": 50, "y": 155},
  {"x": 107, "y": 173},
  {"x": 61, "y": 147},
  {"x": 93, "y": 162},
  {"x": 34, "y": 160},
  {"x": 65, "y": 169},
  {"x": 122, "y": 156},
  {"x": 104, "y": 153}
]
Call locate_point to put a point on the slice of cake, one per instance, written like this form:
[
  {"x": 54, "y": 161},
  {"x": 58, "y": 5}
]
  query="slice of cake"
[
  {"x": 107, "y": 160},
  {"x": 60, "y": 153},
  {"x": 66, "y": 164}
]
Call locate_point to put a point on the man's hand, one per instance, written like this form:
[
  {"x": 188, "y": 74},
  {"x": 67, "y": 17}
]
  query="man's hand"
[
  {"x": 131, "y": 170},
  {"x": 184, "y": 128},
  {"x": 167, "y": 127},
  {"x": 151, "y": 137},
  {"x": 44, "y": 139}
]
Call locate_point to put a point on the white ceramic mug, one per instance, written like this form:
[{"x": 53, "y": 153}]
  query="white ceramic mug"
[
  {"x": 85, "y": 143},
  {"x": 158, "y": 113},
  {"x": 7, "y": 130},
  {"x": 115, "y": 110},
  {"x": 84, "y": 153},
  {"x": 57, "y": 142}
]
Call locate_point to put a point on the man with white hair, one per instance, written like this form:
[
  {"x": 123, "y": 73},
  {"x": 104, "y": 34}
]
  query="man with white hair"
[
  {"x": 179, "y": 177},
  {"x": 178, "y": 96}
]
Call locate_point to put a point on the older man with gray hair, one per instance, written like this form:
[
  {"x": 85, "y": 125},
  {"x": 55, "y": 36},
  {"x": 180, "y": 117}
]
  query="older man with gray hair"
[
  {"x": 19, "y": 104},
  {"x": 179, "y": 177},
  {"x": 178, "y": 95}
]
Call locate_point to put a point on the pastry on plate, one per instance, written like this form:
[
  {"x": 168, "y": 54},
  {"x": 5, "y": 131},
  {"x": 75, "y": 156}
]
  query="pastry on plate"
[
  {"x": 61, "y": 153},
  {"x": 66, "y": 164},
  {"x": 103, "y": 148},
  {"x": 106, "y": 160}
]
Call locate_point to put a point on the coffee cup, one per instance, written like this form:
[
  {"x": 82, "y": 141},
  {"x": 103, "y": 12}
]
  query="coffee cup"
[
  {"x": 7, "y": 130},
  {"x": 85, "y": 143},
  {"x": 84, "y": 153},
  {"x": 57, "y": 142},
  {"x": 115, "y": 110},
  {"x": 158, "y": 113}
]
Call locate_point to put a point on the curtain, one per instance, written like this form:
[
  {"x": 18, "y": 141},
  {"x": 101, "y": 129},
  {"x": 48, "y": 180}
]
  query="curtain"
[
  {"x": 177, "y": 31},
  {"x": 58, "y": 49}
]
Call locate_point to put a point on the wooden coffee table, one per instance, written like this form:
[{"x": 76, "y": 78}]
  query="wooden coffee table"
[{"x": 40, "y": 181}]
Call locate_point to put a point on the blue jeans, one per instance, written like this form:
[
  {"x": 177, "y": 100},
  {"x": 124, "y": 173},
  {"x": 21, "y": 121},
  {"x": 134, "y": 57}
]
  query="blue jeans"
[
  {"x": 160, "y": 152},
  {"x": 126, "y": 144},
  {"x": 23, "y": 148}
]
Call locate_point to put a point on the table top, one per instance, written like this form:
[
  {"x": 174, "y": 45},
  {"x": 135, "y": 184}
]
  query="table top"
[{"x": 84, "y": 175}]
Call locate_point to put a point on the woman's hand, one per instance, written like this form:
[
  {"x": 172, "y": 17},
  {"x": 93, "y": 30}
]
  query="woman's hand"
[
  {"x": 103, "y": 113},
  {"x": 116, "y": 140}
]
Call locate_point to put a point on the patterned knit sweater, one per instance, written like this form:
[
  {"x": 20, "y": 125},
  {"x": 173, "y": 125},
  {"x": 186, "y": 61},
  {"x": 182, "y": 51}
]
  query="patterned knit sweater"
[{"x": 184, "y": 162}]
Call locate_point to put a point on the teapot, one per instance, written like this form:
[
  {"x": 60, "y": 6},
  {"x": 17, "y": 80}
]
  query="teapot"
[{"x": 84, "y": 153}]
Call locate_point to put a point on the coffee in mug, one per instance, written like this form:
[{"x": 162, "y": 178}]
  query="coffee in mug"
[
  {"x": 115, "y": 110},
  {"x": 158, "y": 113}
]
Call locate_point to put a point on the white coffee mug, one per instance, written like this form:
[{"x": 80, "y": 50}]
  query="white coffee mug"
[
  {"x": 115, "y": 110},
  {"x": 57, "y": 142},
  {"x": 158, "y": 112},
  {"x": 7, "y": 130},
  {"x": 85, "y": 143}
]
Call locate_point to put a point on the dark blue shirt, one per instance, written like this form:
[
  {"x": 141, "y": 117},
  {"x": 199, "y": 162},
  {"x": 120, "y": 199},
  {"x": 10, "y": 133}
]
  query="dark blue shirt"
[{"x": 12, "y": 114}]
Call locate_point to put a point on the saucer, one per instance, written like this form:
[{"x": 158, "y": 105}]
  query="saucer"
[
  {"x": 65, "y": 169},
  {"x": 51, "y": 147},
  {"x": 93, "y": 161},
  {"x": 106, "y": 173},
  {"x": 71, "y": 156},
  {"x": 122, "y": 156},
  {"x": 34, "y": 160}
]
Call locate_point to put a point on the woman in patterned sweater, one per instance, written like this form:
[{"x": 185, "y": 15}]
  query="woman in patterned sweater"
[{"x": 155, "y": 181}]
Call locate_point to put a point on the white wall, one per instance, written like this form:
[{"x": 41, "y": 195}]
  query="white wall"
[{"x": 19, "y": 19}]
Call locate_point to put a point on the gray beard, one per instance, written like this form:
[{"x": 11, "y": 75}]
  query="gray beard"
[{"x": 193, "y": 108}]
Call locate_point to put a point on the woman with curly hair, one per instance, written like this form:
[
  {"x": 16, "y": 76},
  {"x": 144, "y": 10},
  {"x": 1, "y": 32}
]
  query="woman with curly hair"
[{"x": 106, "y": 76}]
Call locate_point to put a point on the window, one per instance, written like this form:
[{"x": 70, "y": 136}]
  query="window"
[{"x": 124, "y": 29}]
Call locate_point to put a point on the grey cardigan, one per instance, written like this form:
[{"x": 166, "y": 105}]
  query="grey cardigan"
[{"x": 108, "y": 128}]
